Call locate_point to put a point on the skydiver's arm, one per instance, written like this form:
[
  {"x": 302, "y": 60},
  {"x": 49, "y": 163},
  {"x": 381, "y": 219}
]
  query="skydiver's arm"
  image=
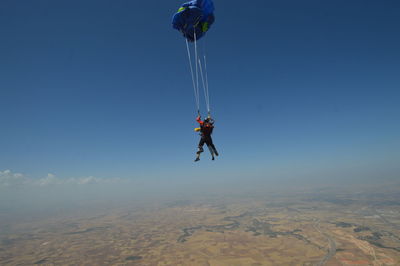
[{"x": 198, "y": 119}]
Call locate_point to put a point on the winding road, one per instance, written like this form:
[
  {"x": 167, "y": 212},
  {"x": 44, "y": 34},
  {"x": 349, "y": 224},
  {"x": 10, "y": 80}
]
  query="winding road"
[{"x": 332, "y": 245}]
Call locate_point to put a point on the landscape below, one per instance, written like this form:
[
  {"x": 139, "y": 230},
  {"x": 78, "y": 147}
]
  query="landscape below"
[{"x": 312, "y": 227}]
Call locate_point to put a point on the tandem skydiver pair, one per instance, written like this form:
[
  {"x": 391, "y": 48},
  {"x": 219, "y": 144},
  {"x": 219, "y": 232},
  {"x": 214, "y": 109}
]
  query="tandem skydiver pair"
[{"x": 206, "y": 128}]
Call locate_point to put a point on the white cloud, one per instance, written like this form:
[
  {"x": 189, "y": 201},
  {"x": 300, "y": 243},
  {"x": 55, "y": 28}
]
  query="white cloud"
[
  {"x": 10, "y": 179},
  {"x": 50, "y": 179}
]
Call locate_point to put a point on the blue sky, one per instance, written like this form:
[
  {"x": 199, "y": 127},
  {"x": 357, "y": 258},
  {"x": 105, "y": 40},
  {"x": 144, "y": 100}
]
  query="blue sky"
[{"x": 102, "y": 88}]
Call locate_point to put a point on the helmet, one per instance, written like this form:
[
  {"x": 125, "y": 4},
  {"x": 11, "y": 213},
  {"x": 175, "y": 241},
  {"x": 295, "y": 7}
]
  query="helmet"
[{"x": 209, "y": 120}]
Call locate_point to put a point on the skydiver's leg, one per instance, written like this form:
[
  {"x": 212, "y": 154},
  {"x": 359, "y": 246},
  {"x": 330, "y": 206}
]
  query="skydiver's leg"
[
  {"x": 200, "y": 150},
  {"x": 211, "y": 151},
  {"x": 201, "y": 144},
  {"x": 211, "y": 144},
  {"x": 214, "y": 149}
]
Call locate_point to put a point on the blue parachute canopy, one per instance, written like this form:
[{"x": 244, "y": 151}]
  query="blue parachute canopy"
[{"x": 194, "y": 18}]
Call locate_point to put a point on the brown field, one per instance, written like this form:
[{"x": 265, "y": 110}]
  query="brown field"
[{"x": 305, "y": 229}]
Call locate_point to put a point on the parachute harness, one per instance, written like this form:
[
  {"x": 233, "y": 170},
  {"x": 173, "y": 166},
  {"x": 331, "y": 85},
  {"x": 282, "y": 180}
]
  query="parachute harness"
[{"x": 203, "y": 74}]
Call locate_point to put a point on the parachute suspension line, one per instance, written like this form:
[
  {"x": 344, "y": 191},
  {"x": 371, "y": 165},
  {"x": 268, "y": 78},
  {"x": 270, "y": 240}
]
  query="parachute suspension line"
[
  {"x": 202, "y": 68},
  {"x": 196, "y": 94},
  {"x": 207, "y": 88},
  {"x": 204, "y": 87},
  {"x": 206, "y": 72},
  {"x": 197, "y": 70}
]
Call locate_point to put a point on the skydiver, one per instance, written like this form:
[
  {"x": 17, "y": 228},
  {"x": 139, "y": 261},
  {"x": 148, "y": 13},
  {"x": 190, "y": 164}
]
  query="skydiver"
[{"x": 206, "y": 129}]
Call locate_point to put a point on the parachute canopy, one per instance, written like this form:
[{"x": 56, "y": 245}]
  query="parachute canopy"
[{"x": 194, "y": 19}]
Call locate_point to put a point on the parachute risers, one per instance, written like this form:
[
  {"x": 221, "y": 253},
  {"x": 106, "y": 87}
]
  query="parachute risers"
[{"x": 193, "y": 20}]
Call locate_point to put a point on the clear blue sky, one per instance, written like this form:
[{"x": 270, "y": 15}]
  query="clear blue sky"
[{"x": 102, "y": 88}]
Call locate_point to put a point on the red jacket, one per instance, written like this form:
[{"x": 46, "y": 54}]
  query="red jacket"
[{"x": 206, "y": 129}]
